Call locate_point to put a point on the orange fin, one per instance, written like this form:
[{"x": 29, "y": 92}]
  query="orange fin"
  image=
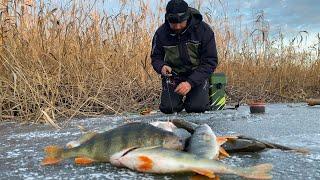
[
  {"x": 50, "y": 161},
  {"x": 205, "y": 172},
  {"x": 83, "y": 161},
  {"x": 221, "y": 140},
  {"x": 223, "y": 153},
  {"x": 231, "y": 137},
  {"x": 51, "y": 149},
  {"x": 145, "y": 163},
  {"x": 53, "y": 155},
  {"x": 257, "y": 172}
]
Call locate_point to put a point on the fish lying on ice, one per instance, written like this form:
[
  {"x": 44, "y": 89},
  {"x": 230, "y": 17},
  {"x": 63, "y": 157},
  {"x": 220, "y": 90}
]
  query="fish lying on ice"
[
  {"x": 205, "y": 144},
  {"x": 250, "y": 144},
  {"x": 239, "y": 143},
  {"x": 168, "y": 126},
  {"x": 162, "y": 160},
  {"x": 101, "y": 146}
]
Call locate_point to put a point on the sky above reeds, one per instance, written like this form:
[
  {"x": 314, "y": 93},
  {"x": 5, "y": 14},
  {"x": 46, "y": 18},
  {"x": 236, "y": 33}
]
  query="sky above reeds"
[
  {"x": 288, "y": 16},
  {"x": 296, "y": 14},
  {"x": 291, "y": 15}
]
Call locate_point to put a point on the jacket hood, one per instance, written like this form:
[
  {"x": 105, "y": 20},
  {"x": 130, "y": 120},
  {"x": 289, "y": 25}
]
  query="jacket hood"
[{"x": 196, "y": 15}]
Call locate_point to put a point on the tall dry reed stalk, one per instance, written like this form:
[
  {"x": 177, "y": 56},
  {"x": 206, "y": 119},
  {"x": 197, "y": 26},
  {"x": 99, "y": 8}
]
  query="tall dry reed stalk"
[{"x": 76, "y": 60}]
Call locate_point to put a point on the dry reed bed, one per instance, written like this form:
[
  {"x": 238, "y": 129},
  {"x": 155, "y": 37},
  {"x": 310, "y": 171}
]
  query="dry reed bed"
[{"x": 57, "y": 63}]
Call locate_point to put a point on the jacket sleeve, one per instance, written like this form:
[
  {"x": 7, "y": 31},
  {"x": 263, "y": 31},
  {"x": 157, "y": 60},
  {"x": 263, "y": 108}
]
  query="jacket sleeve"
[
  {"x": 157, "y": 54},
  {"x": 208, "y": 59}
]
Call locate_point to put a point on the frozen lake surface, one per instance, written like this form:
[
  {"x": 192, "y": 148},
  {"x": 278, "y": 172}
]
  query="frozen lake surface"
[{"x": 294, "y": 125}]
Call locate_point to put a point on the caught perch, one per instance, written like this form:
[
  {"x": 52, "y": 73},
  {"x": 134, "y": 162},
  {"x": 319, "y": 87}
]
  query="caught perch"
[
  {"x": 160, "y": 160},
  {"x": 99, "y": 147}
]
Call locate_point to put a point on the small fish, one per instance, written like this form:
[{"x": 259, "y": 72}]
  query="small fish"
[
  {"x": 211, "y": 148},
  {"x": 205, "y": 144},
  {"x": 101, "y": 146},
  {"x": 256, "y": 144},
  {"x": 243, "y": 145},
  {"x": 162, "y": 160}
]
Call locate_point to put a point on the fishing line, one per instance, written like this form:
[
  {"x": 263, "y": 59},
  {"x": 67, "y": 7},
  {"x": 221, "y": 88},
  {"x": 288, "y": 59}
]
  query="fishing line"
[{"x": 167, "y": 83}]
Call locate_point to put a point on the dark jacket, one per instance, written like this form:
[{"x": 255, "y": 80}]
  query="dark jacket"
[{"x": 192, "y": 54}]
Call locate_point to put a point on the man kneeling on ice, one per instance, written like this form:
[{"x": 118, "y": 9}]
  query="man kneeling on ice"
[{"x": 184, "y": 53}]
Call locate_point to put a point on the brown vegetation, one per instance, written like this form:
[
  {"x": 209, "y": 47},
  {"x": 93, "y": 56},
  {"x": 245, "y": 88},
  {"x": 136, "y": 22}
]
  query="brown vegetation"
[{"x": 74, "y": 60}]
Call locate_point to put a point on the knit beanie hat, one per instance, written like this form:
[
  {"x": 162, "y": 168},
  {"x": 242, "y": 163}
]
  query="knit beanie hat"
[{"x": 177, "y": 11}]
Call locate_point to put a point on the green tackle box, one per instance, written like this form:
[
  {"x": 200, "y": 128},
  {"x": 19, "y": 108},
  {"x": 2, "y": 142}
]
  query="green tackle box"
[{"x": 217, "y": 91}]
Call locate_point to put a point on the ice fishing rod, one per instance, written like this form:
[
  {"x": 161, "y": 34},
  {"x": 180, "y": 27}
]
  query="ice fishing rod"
[{"x": 170, "y": 81}]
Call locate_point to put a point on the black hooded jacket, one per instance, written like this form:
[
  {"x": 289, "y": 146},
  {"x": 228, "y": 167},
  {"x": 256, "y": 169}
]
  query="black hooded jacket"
[{"x": 192, "y": 54}]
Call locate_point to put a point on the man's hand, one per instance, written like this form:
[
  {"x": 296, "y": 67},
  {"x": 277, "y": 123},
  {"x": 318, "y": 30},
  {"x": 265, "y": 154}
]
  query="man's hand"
[
  {"x": 183, "y": 88},
  {"x": 166, "y": 71}
]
